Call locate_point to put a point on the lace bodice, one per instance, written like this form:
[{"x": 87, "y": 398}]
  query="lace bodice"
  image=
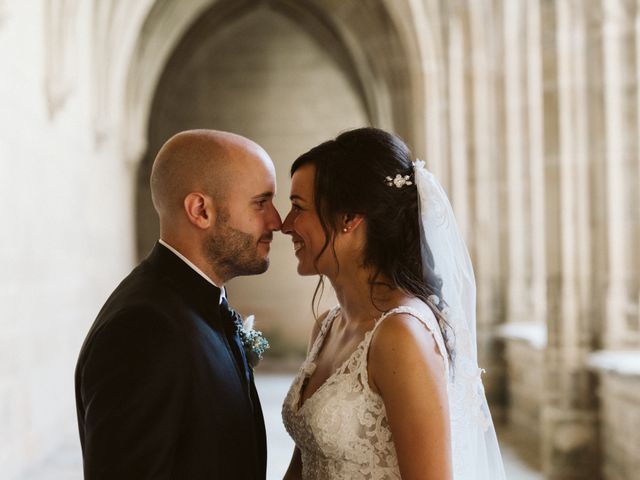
[{"x": 342, "y": 429}]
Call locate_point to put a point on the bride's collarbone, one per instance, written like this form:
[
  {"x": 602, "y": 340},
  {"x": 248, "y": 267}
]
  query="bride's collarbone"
[
  {"x": 343, "y": 339},
  {"x": 338, "y": 347},
  {"x": 334, "y": 356}
]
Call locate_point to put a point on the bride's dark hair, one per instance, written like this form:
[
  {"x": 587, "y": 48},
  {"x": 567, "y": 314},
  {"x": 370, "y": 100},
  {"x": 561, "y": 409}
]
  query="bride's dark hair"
[{"x": 350, "y": 178}]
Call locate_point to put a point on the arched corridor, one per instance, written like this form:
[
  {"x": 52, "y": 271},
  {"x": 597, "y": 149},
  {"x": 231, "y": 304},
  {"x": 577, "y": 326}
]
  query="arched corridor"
[
  {"x": 263, "y": 76},
  {"x": 527, "y": 110}
]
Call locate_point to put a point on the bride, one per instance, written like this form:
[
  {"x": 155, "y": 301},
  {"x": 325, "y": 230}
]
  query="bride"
[{"x": 390, "y": 388}]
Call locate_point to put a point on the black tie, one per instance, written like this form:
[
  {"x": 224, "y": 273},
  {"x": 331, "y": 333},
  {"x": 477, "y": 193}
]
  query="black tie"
[{"x": 229, "y": 318}]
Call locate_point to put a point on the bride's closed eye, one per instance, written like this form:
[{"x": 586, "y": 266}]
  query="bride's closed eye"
[{"x": 296, "y": 208}]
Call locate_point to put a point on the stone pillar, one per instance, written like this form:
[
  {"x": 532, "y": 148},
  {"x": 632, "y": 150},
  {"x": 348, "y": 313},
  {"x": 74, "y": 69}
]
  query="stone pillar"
[
  {"x": 595, "y": 71},
  {"x": 60, "y": 59},
  {"x": 486, "y": 211},
  {"x": 620, "y": 167},
  {"x": 458, "y": 118},
  {"x": 619, "y": 393},
  {"x": 534, "y": 171},
  {"x": 3, "y": 12},
  {"x": 430, "y": 25},
  {"x": 524, "y": 333},
  {"x": 635, "y": 199},
  {"x": 569, "y": 416},
  {"x": 514, "y": 159}
]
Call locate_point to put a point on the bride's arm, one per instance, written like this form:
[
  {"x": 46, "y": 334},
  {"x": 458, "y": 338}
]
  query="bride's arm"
[
  {"x": 294, "y": 472},
  {"x": 408, "y": 371}
]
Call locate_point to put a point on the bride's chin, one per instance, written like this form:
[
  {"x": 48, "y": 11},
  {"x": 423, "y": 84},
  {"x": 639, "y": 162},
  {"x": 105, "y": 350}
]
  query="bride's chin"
[{"x": 304, "y": 271}]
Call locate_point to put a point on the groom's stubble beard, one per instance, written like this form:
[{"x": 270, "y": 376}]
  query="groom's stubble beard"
[{"x": 231, "y": 252}]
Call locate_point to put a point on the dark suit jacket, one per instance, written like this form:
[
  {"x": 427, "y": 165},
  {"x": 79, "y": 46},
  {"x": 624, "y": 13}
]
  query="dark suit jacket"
[{"x": 158, "y": 393}]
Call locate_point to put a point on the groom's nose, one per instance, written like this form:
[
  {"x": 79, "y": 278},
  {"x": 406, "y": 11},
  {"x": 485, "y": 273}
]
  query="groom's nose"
[{"x": 274, "y": 222}]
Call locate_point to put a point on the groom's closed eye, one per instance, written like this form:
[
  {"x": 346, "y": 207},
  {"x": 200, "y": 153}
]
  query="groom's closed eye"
[{"x": 262, "y": 199}]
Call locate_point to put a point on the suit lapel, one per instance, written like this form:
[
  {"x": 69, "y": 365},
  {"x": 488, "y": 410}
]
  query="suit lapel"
[{"x": 204, "y": 297}]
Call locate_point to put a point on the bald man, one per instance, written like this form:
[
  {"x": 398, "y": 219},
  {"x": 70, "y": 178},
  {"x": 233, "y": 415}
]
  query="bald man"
[{"x": 163, "y": 389}]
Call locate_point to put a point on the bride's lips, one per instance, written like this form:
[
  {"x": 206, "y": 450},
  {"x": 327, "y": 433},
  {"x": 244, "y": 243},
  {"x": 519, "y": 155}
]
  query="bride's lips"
[{"x": 297, "y": 245}]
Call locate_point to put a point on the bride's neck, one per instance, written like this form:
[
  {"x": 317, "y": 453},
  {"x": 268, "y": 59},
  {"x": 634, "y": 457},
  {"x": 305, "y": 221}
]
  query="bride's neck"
[{"x": 360, "y": 302}]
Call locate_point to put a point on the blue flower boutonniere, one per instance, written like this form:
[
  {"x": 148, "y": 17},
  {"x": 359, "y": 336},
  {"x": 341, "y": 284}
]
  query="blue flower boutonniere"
[{"x": 253, "y": 341}]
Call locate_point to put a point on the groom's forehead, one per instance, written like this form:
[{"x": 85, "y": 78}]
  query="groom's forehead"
[{"x": 254, "y": 181}]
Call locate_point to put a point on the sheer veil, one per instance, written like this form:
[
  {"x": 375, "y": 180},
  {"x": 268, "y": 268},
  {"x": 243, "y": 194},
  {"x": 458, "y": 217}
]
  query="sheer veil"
[{"x": 476, "y": 455}]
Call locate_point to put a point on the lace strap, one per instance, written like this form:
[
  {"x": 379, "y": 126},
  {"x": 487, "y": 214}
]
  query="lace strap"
[
  {"x": 429, "y": 322},
  {"x": 324, "y": 328}
]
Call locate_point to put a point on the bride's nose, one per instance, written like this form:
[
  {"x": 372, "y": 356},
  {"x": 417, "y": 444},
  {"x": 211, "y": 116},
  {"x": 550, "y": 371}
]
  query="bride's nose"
[{"x": 287, "y": 225}]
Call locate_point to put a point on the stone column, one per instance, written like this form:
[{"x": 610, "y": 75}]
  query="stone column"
[
  {"x": 514, "y": 160},
  {"x": 621, "y": 170},
  {"x": 595, "y": 73},
  {"x": 534, "y": 171},
  {"x": 569, "y": 416},
  {"x": 485, "y": 210},
  {"x": 458, "y": 114},
  {"x": 635, "y": 181},
  {"x": 3, "y": 12},
  {"x": 430, "y": 24},
  {"x": 60, "y": 52}
]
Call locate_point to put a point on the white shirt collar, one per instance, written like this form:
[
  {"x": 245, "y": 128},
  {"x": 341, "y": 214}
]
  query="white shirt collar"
[{"x": 223, "y": 292}]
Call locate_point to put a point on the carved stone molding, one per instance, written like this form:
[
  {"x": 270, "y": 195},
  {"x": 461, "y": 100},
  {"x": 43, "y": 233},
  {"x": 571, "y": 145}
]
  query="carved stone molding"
[
  {"x": 3, "y": 12},
  {"x": 377, "y": 47},
  {"x": 60, "y": 62},
  {"x": 619, "y": 11}
]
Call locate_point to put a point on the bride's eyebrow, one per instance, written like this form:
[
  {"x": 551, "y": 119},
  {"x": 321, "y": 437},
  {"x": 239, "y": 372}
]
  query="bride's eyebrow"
[{"x": 296, "y": 197}]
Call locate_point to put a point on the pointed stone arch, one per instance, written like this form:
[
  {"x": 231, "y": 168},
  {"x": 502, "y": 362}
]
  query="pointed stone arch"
[
  {"x": 388, "y": 49},
  {"x": 390, "y": 52}
]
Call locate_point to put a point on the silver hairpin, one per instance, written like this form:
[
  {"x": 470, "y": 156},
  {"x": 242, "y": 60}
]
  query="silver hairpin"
[{"x": 399, "y": 181}]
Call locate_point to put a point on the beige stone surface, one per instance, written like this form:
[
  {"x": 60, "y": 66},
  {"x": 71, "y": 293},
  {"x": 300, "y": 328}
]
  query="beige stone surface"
[{"x": 527, "y": 110}]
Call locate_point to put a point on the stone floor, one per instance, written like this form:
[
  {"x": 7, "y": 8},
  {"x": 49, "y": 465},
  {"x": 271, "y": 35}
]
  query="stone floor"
[{"x": 65, "y": 463}]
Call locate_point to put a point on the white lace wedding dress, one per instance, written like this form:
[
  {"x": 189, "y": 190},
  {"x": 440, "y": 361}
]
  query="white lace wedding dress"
[{"x": 342, "y": 430}]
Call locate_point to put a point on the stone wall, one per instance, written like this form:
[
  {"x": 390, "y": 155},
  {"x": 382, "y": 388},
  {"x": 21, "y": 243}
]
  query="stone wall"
[
  {"x": 527, "y": 111},
  {"x": 620, "y": 427},
  {"x": 619, "y": 393},
  {"x": 524, "y": 355},
  {"x": 67, "y": 223}
]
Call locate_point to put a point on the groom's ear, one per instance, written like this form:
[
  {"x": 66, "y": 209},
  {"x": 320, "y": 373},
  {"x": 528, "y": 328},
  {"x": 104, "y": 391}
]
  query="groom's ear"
[{"x": 199, "y": 209}]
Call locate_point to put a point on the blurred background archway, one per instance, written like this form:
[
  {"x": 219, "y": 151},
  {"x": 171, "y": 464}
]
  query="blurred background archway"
[{"x": 257, "y": 72}]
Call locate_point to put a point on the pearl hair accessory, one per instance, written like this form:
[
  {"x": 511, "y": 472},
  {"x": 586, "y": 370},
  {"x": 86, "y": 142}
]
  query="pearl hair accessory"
[{"x": 399, "y": 181}]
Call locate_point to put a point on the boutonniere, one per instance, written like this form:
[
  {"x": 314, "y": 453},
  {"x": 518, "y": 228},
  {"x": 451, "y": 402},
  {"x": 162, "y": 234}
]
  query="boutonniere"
[{"x": 253, "y": 341}]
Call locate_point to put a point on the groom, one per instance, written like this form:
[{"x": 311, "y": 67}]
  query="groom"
[{"x": 163, "y": 390}]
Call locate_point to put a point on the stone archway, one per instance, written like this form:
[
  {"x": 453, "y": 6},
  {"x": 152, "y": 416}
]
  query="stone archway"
[
  {"x": 392, "y": 47},
  {"x": 376, "y": 60},
  {"x": 264, "y": 77}
]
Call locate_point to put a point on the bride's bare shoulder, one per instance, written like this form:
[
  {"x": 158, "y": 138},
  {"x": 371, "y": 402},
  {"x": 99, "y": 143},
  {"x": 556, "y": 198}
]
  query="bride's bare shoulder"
[
  {"x": 404, "y": 341},
  {"x": 405, "y": 326}
]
